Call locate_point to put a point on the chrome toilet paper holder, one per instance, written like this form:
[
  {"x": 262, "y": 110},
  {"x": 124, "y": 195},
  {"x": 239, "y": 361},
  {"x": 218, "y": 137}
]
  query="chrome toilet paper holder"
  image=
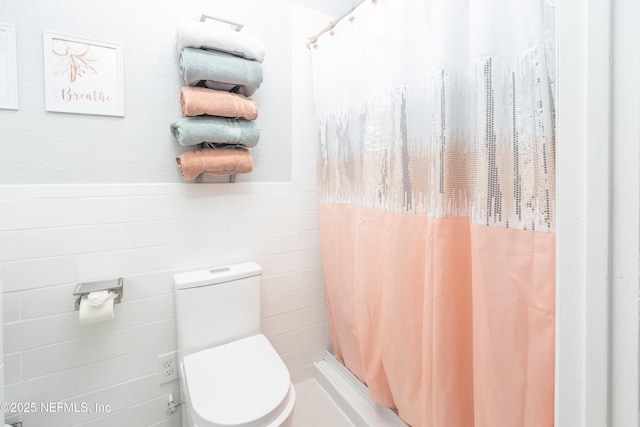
[{"x": 111, "y": 285}]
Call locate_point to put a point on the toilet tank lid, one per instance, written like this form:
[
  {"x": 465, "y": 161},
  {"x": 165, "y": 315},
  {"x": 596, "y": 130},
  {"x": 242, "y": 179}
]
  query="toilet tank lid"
[{"x": 212, "y": 276}]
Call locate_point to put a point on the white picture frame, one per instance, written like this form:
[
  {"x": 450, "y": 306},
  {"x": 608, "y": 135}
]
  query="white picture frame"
[
  {"x": 83, "y": 76},
  {"x": 8, "y": 68}
]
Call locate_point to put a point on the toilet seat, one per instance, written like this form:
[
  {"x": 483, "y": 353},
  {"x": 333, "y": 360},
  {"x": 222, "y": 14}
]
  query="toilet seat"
[{"x": 242, "y": 383}]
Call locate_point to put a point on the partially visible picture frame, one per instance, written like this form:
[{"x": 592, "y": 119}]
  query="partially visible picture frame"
[
  {"x": 83, "y": 76},
  {"x": 8, "y": 68}
]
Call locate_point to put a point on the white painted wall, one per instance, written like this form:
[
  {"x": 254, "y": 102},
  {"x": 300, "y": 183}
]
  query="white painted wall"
[
  {"x": 40, "y": 147},
  {"x": 2, "y": 399},
  {"x": 598, "y": 288},
  {"x": 330, "y": 7},
  {"x": 54, "y": 235},
  {"x": 625, "y": 218}
]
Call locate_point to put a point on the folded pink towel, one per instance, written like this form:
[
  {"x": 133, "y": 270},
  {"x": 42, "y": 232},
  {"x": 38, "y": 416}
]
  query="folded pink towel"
[
  {"x": 214, "y": 162},
  {"x": 198, "y": 101}
]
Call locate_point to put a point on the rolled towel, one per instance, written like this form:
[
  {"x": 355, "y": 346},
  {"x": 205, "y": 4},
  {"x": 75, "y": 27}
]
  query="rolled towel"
[
  {"x": 218, "y": 130},
  {"x": 214, "y": 162},
  {"x": 198, "y": 101},
  {"x": 201, "y": 35},
  {"x": 220, "y": 71}
]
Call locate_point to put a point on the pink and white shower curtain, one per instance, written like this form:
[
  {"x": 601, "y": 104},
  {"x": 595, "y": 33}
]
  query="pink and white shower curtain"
[{"x": 436, "y": 189}]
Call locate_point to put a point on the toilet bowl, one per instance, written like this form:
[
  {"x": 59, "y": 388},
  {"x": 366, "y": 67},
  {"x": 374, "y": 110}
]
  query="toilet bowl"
[{"x": 230, "y": 375}]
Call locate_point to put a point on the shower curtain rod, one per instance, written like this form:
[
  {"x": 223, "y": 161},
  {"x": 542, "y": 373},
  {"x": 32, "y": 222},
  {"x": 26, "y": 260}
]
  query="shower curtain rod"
[{"x": 333, "y": 23}]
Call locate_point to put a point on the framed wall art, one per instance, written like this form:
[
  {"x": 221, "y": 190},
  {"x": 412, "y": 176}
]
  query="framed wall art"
[
  {"x": 8, "y": 68},
  {"x": 83, "y": 76}
]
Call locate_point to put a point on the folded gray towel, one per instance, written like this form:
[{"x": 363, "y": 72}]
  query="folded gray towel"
[
  {"x": 216, "y": 130},
  {"x": 220, "y": 71}
]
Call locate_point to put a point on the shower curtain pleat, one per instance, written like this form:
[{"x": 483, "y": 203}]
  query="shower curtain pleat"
[
  {"x": 436, "y": 183},
  {"x": 514, "y": 326}
]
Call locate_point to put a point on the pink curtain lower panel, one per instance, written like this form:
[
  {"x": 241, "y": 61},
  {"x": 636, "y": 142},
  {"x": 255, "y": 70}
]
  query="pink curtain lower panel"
[{"x": 450, "y": 322}]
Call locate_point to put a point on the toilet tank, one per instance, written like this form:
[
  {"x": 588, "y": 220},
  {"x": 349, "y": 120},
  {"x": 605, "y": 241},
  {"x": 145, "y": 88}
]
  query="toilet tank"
[{"x": 216, "y": 306}]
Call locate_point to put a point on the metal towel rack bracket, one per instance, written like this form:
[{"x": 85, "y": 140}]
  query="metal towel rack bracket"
[
  {"x": 232, "y": 178},
  {"x": 236, "y": 25}
]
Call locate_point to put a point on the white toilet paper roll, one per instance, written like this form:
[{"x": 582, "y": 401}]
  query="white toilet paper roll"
[{"x": 96, "y": 307}]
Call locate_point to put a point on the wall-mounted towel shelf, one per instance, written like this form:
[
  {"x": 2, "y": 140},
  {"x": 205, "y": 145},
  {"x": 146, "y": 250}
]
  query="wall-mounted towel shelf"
[
  {"x": 236, "y": 25},
  {"x": 232, "y": 61},
  {"x": 111, "y": 285}
]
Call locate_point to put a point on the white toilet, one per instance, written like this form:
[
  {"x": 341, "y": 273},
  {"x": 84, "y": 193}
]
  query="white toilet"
[{"x": 230, "y": 375}]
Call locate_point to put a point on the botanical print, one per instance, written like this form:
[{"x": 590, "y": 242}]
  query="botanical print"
[
  {"x": 74, "y": 62},
  {"x": 83, "y": 76}
]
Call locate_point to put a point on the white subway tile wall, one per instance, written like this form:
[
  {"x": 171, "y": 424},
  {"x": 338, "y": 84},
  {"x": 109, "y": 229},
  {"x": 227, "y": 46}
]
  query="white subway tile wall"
[{"x": 52, "y": 236}]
